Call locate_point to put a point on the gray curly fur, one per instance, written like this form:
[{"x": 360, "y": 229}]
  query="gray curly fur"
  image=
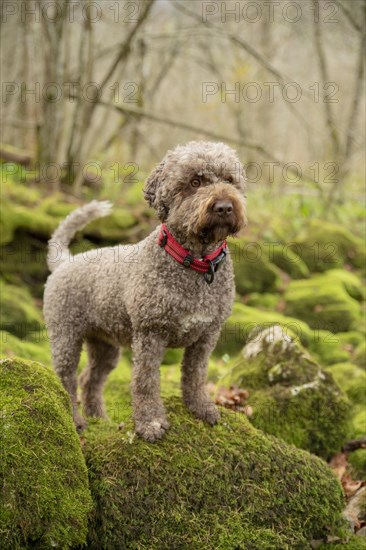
[{"x": 139, "y": 296}]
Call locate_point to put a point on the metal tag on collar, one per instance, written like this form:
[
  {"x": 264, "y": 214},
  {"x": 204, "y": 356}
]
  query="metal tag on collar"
[{"x": 210, "y": 275}]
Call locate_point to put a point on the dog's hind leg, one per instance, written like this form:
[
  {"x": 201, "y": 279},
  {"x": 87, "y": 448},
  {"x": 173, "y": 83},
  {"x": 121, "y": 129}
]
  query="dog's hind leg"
[
  {"x": 102, "y": 359},
  {"x": 66, "y": 349}
]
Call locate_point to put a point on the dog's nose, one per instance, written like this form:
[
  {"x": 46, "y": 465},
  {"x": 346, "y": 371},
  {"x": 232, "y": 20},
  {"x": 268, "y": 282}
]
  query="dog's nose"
[{"x": 223, "y": 208}]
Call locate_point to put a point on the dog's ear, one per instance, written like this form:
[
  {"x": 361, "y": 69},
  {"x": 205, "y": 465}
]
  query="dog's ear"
[{"x": 153, "y": 192}]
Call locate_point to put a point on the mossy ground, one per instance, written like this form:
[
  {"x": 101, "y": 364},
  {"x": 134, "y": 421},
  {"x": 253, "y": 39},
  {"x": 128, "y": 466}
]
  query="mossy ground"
[
  {"x": 45, "y": 499},
  {"x": 223, "y": 487}
]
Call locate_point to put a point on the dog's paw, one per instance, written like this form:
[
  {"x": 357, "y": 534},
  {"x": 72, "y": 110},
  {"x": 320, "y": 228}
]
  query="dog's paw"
[
  {"x": 80, "y": 423},
  {"x": 94, "y": 409},
  {"x": 205, "y": 410},
  {"x": 152, "y": 431}
]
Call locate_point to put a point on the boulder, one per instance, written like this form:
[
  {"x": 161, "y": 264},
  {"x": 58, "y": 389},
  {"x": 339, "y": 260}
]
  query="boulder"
[
  {"x": 19, "y": 314},
  {"x": 229, "y": 486},
  {"x": 244, "y": 319},
  {"x": 323, "y": 302},
  {"x": 291, "y": 396},
  {"x": 352, "y": 380},
  {"x": 45, "y": 500},
  {"x": 323, "y": 245},
  {"x": 253, "y": 271},
  {"x": 332, "y": 348},
  {"x": 286, "y": 259}
]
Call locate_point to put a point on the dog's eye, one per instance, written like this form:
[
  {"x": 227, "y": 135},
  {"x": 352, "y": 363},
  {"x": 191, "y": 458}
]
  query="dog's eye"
[
  {"x": 195, "y": 182},
  {"x": 229, "y": 179}
]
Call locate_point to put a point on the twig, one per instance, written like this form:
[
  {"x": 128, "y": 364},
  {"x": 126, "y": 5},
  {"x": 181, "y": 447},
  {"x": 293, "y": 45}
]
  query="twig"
[{"x": 355, "y": 444}]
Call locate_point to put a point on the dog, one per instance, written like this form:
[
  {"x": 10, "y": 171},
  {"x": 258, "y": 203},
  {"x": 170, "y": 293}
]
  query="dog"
[{"x": 177, "y": 292}]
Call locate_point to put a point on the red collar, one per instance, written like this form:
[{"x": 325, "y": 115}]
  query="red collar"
[{"x": 208, "y": 265}]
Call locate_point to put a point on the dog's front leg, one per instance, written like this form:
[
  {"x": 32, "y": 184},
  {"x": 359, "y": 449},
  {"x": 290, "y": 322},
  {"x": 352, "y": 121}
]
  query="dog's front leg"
[
  {"x": 148, "y": 409},
  {"x": 194, "y": 373}
]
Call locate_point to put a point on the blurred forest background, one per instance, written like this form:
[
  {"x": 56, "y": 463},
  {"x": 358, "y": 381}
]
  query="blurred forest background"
[
  {"x": 121, "y": 82},
  {"x": 93, "y": 95}
]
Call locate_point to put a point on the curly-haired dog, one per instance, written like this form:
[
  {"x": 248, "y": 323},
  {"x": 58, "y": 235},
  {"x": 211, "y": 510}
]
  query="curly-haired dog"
[{"x": 166, "y": 291}]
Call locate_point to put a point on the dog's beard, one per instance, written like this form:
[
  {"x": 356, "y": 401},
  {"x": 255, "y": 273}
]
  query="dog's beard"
[{"x": 216, "y": 232}]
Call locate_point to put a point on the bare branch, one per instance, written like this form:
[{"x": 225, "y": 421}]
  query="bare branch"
[
  {"x": 204, "y": 132},
  {"x": 234, "y": 39}
]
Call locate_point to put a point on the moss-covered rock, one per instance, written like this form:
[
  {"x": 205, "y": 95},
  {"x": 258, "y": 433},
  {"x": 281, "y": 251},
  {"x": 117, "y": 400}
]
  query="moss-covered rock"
[
  {"x": 332, "y": 348},
  {"x": 244, "y": 319},
  {"x": 18, "y": 313},
  {"x": 291, "y": 396},
  {"x": 34, "y": 346},
  {"x": 357, "y": 460},
  {"x": 45, "y": 499},
  {"x": 323, "y": 302},
  {"x": 360, "y": 355},
  {"x": 253, "y": 270},
  {"x": 324, "y": 245},
  {"x": 287, "y": 260},
  {"x": 224, "y": 487},
  {"x": 262, "y": 301},
  {"x": 113, "y": 227},
  {"x": 352, "y": 380},
  {"x": 23, "y": 262}
]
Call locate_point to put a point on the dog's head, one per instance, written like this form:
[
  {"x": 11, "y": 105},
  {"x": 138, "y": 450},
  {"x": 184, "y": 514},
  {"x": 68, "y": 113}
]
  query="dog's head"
[{"x": 198, "y": 189}]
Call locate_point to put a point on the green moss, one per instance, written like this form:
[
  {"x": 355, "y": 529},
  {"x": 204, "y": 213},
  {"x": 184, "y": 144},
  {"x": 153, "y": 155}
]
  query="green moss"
[
  {"x": 113, "y": 227},
  {"x": 18, "y": 313},
  {"x": 34, "y": 346},
  {"x": 134, "y": 194},
  {"x": 45, "y": 499},
  {"x": 350, "y": 542},
  {"x": 173, "y": 356},
  {"x": 350, "y": 281},
  {"x": 332, "y": 348},
  {"x": 291, "y": 396},
  {"x": 358, "y": 421},
  {"x": 265, "y": 300},
  {"x": 323, "y": 245},
  {"x": 357, "y": 459},
  {"x": 244, "y": 319},
  {"x": 23, "y": 262},
  {"x": 287, "y": 260},
  {"x": 323, "y": 303},
  {"x": 360, "y": 355},
  {"x": 253, "y": 271},
  {"x": 351, "y": 379},
  {"x": 201, "y": 487}
]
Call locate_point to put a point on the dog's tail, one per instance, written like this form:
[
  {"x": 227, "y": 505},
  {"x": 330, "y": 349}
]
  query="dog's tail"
[{"x": 58, "y": 245}]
